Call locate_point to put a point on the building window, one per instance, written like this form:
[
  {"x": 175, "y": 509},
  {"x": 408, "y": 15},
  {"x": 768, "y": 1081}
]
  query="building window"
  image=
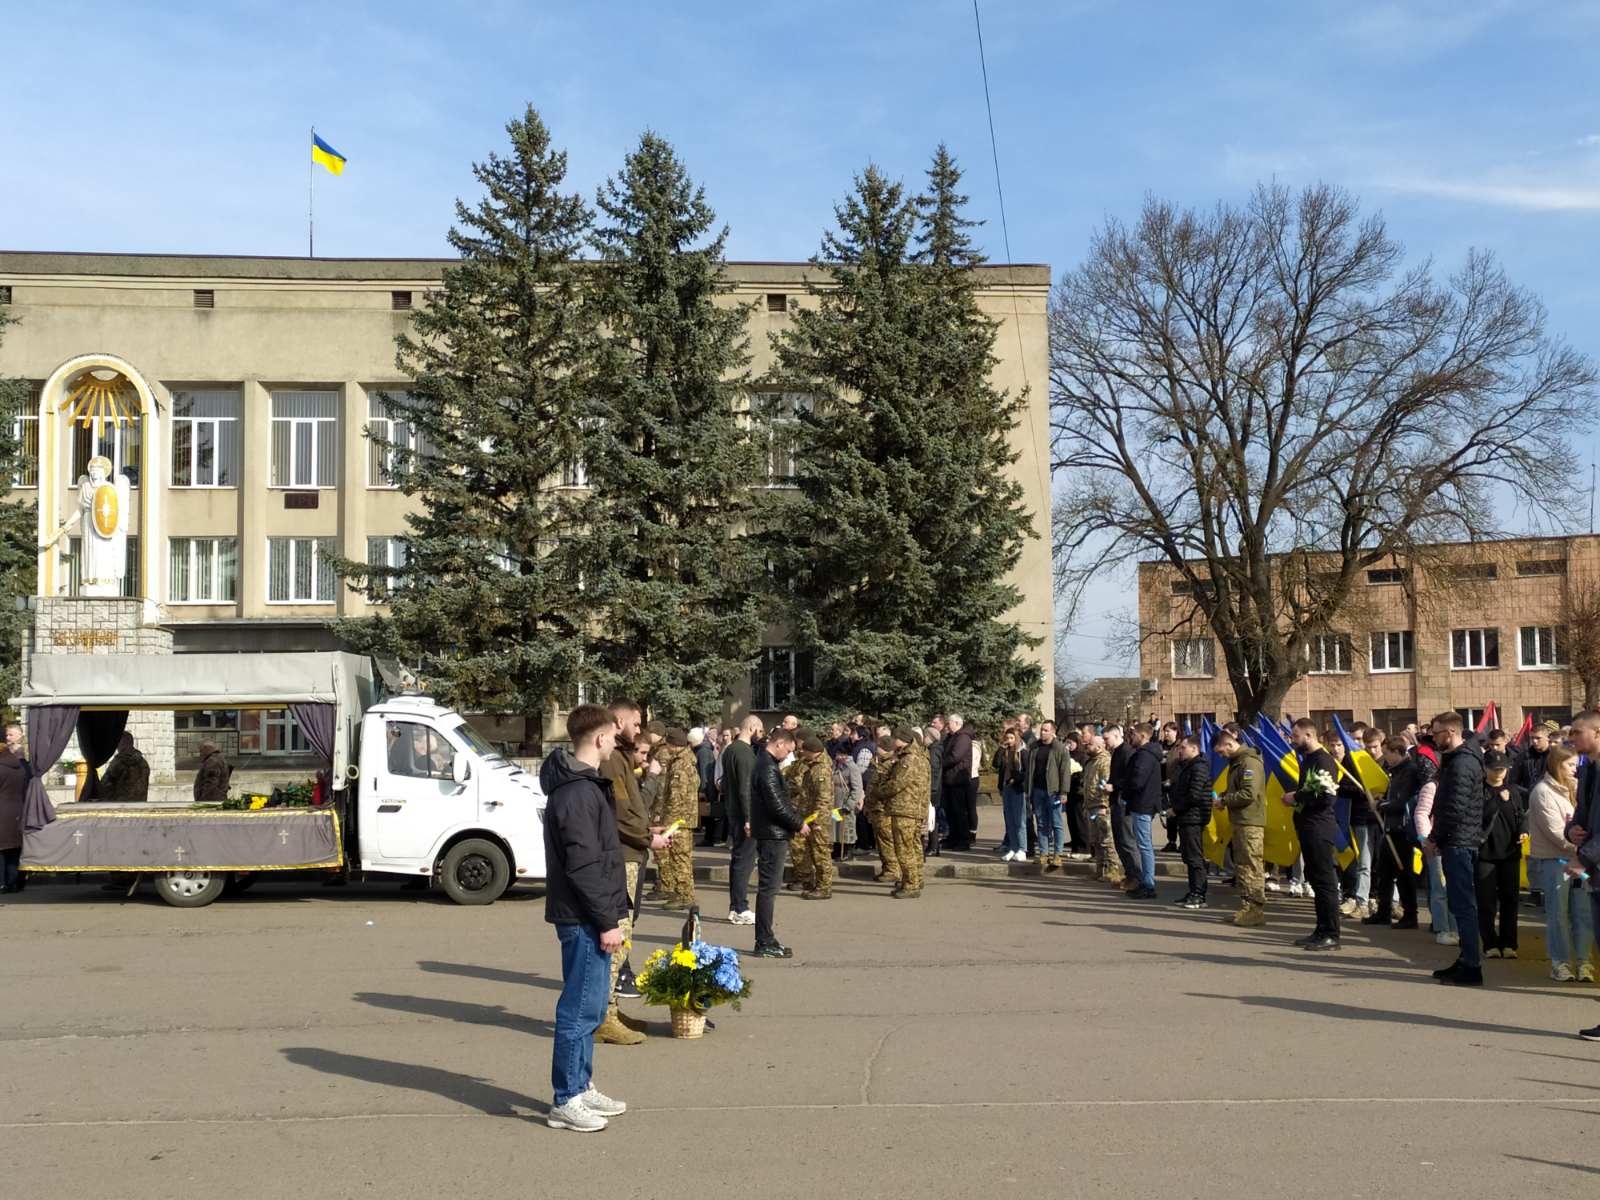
[
  {"x": 5, "y": 293},
  {"x": 281, "y": 733},
  {"x": 1192, "y": 722},
  {"x": 1474, "y": 715},
  {"x": 384, "y": 554},
  {"x": 1328, "y": 654},
  {"x": 1543, "y": 713},
  {"x": 777, "y": 302},
  {"x": 1393, "y": 720},
  {"x": 391, "y": 438},
  {"x": 780, "y": 674},
  {"x": 1323, "y": 718},
  {"x": 120, "y": 441},
  {"x": 1474, "y": 649},
  {"x": 1194, "y": 658},
  {"x": 1542, "y": 566},
  {"x": 305, "y": 439},
  {"x": 1382, "y": 575},
  {"x": 25, "y": 429},
  {"x": 575, "y": 473},
  {"x": 203, "y": 570},
  {"x": 299, "y": 571},
  {"x": 1475, "y": 571},
  {"x": 1392, "y": 651},
  {"x": 777, "y": 419},
  {"x": 400, "y": 301},
  {"x": 205, "y": 439},
  {"x": 1541, "y": 648}
]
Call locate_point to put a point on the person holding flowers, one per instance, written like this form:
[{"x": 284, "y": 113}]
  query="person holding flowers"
[{"x": 1314, "y": 824}]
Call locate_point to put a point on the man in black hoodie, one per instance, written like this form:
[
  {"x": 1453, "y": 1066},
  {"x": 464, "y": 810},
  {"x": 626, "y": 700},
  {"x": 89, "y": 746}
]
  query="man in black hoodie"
[
  {"x": 586, "y": 899},
  {"x": 773, "y": 821}
]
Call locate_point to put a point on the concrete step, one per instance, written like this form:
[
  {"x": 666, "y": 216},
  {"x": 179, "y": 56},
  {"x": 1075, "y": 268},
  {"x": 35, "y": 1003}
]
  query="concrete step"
[{"x": 711, "y": 866}]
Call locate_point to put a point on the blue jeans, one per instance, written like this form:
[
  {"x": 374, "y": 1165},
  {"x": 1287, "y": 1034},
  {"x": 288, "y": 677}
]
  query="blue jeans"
[
  {"x": 1568, "y": 923},
  {"x": 1359, "y": 878},
  {"x": 1047, "y": 818},
  {"x": 1438, "y": 907},
  {"x": 1461, "y": 893},
  {"x": 1142, "y": 823},
  {"x": 585, "y": 991},
  {"x": 1015, "y": 803}
]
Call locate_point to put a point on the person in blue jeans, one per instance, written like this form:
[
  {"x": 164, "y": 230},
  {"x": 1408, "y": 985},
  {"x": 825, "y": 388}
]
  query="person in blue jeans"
[
  {"x": 1141, "y": 792},
  {"x": 586, "y": 899},
  {"x": 1007, "y": 765},
  {"x": 1457, "y": 832}
]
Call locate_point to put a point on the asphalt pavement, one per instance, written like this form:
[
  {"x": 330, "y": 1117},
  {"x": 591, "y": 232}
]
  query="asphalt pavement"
[{"x": 1003, "y": 1035}]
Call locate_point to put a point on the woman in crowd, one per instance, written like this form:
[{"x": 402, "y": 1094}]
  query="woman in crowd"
[
  {"x": 1013, "y": 794},
  {"x": 1553, "y": 868}
]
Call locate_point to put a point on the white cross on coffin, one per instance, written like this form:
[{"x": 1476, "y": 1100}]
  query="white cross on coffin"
[
  {"x": 180, "y": 852},
  {"x": 77, "y": 837},
  {"x": 283, "y": 837}
]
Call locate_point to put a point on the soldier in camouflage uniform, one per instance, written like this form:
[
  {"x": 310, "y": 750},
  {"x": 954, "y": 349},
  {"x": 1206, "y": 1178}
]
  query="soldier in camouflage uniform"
[
  {"x": 678, "y": 799},
  {"x": 814, "y": 803},
  {"x": 906, "y": 800},
  {"x": 799, "y": 862},
  {"x": 873, "y": 808}
]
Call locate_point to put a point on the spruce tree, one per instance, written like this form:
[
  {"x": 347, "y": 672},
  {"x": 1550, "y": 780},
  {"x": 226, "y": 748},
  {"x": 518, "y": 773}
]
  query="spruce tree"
[
  {"x": 502, "y": 361},
  {"x": 19, "y": 533},
  {"x": 668, "y": 465},
  {"x": 906, "y": 524}
]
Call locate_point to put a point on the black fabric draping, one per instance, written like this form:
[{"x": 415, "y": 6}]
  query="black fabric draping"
[
  {"x": 316, "y": 721},
  {"x": 98, "y": 735},
  {"x": 49, "y": 730}
]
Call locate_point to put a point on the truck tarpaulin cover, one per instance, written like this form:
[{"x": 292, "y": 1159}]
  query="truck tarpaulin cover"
[{"x": 85, "y": 838}]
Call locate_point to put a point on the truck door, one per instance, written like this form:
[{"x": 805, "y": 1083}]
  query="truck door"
[{"x": 417, "y": 797}]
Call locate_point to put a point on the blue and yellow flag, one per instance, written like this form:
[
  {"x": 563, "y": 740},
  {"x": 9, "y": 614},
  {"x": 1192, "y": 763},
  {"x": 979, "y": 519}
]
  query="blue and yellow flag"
[{"x": 326, "y": 155}]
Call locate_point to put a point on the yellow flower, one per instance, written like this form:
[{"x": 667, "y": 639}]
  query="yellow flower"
[
  {"x": 655, "y": 958},
  {"x": 683, "y": 958}
]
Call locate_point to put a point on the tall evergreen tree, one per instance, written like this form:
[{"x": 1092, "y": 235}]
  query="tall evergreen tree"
[
  {"x": 907, "y": 522},
  {"x": 19, "y": 533},
  {"x": 502, "y": 361},
  {"x": 668, "y": 465}
]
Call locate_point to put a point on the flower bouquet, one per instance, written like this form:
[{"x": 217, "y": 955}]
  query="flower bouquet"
[
  {"x": 1317, "y": 787},
  {"x": 691, "y": 979}
]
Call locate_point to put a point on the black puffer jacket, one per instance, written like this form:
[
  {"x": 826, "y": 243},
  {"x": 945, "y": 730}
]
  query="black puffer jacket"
[
  {"x": 1458, "y": 801},
  {"x": 1141, "y": 782},
  {"x": 771, "y": 814},
  {"x": 586, "y": 883},
  {"x": 1191, "y": 792}
]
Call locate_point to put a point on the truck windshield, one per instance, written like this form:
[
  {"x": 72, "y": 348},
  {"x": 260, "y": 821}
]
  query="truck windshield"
[{"x": 474, "y": 740}]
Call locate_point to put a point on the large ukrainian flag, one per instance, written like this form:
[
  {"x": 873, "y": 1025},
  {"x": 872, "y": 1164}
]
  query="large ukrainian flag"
[{"x": 326, "y": 155}]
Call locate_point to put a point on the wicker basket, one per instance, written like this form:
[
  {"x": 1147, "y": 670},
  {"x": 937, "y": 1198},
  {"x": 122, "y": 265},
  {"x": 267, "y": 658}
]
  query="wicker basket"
[{"x": 686, "y": 1023}]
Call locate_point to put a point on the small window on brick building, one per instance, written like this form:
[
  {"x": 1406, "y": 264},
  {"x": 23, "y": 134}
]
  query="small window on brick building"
[
  {"x": 1481, "y": 570},
  {"x": 205, "y": 298},
  {"x": 400, "y": 301},
  {"x": 777, "y": 302},
  {"x": 1542, "y": 566},
  {"x": 5, "y": 293}
]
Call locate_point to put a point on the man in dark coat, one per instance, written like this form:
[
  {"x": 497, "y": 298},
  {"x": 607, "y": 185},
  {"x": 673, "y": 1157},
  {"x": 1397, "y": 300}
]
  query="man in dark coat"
[
  {"x": 1140, "y": 791},
  {"x": 211, "y": 780},
  {"x": 1318, "y": 830},
  {"x": 773, "y": 821},
  {"x": 127, "y": 778},
  {"x": 960, "y": 787},
  {"x": 14, "y": 774},
  {"x": 1457, "y": 833},
  {"x": 1189, "y": 812}
]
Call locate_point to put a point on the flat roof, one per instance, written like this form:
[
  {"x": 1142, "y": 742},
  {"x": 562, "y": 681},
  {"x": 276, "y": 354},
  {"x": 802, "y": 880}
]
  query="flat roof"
[{"x": 281, "y": 267}]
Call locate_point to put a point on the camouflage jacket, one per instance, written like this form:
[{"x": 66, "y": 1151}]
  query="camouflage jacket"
[
  {"x": 680, "y": 788},
  {"x": 815, "y": 792},
  {"x": 906, "y": 792}
]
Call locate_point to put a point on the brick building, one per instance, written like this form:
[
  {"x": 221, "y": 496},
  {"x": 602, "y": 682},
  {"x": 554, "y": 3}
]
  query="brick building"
[{"x": 1478, "y": 623}]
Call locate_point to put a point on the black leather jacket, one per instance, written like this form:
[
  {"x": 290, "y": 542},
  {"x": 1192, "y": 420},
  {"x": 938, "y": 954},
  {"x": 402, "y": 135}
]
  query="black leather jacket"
[{"x": 771, "y": 814}]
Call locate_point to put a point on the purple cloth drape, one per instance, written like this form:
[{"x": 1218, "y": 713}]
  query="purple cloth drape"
[
  {"x": 50, "y": 728},
  {"x": 316, "y": 721}
]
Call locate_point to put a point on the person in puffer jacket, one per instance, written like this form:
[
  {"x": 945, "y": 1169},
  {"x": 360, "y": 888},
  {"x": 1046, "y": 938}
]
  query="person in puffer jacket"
[{"x": 1191, "y": 798}]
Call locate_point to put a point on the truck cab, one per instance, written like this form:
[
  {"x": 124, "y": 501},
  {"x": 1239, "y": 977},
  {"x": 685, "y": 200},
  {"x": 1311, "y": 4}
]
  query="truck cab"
[{"x": 435, "y": 800}]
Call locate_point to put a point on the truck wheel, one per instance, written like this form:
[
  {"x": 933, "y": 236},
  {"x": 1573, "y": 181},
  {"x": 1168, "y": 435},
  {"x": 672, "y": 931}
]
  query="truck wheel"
[
  {"x": 190, "y": 889},
  {"x": 475, "y": 872}
]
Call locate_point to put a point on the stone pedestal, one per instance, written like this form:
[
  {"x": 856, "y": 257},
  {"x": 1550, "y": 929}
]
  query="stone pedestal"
[{"x": 108, "y": 625}]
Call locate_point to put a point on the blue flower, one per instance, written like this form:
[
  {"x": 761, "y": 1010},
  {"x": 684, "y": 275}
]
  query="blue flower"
[
  {"x": 728, "y": 979},
  {"x": 705, "y": 955}
]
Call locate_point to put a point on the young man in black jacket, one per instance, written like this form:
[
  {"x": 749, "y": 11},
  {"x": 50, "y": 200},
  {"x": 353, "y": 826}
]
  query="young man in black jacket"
[
  {"x": 1457, "y": 832},
  {"x": 1396, "y": 845},
  {"x": 1189, "y": 812},
  {"x": 773, "y": 821},
  {"x": 1505, "y": 811},
  {"x": 1317, "y": 830},
  {"x": 586, "y": 899},
  {"x": 1140, "y": 791}
]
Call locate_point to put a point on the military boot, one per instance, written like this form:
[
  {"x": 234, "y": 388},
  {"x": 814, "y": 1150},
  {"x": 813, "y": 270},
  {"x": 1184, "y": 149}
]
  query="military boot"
[
  {"x": 613, "y": 1032},
  {"x": 1253, "y": 915},
  {"x": 633, "y": 1023}
]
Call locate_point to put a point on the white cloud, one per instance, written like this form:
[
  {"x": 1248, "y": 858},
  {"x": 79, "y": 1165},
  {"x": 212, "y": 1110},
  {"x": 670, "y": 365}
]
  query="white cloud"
[
  {"x": 1589, "y": 139},
  {"x": 1499, "y": 193}
]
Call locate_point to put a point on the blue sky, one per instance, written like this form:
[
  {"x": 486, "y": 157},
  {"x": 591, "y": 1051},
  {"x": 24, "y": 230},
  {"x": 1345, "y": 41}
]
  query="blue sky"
[{"x": 165, "y": 127}]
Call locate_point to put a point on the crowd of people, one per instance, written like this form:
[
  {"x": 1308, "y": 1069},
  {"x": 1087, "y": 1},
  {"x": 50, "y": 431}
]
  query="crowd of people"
[{"x": 1456, "y": 815}]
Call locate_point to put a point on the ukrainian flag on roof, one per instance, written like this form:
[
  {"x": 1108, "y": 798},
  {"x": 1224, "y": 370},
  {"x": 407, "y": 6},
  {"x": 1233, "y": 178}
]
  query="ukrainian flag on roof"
[{"x": 326, "y": 155}]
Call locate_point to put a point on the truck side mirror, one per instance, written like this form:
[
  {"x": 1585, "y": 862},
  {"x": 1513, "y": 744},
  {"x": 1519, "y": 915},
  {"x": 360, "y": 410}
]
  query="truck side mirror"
[{"x": 460, "y": 769}]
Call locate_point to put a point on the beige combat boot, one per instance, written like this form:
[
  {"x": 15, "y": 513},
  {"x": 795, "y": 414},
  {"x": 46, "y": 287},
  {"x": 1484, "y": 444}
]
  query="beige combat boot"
[
  {"x": 1253, "y": 915},
  {"x": 613, "y": 1032}
]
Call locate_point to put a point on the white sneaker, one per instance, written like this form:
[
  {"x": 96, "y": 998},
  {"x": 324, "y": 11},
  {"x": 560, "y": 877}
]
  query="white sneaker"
[
  {"x": 576, "y": 1116},
  {"x": 1296, "y": 888},
  {"x": 747, "y": 917},
  {"x": 1008, "y": 856},
  {"x": 1348, "y": 908},
  {"x": 1445, "y": 938},
  {"x": 602, "y": 1104},
  {"x": 1021, "y": 857},
  {"x": 1585, "y": 973},
  {"x": 1508, "y": 954},
  {"x": 1561, "y": 973},
  {"x": 1492, "y": 952},
  {"x": 1272, "y": 885}
]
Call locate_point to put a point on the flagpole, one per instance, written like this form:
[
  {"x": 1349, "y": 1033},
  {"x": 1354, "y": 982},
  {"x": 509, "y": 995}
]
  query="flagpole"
[{"x": 311, "y": 175}]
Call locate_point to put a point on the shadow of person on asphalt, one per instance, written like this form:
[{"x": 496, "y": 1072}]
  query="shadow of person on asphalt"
[
  {"x": 451, "y": 1085},
  {"x": 1354, "y": 1012},
  {"x": 459, "y": 1010},
  {"x": 493, "y": 974}
]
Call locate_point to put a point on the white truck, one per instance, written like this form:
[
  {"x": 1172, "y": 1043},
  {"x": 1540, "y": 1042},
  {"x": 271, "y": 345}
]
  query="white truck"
[{"x": 417, "y": 792}]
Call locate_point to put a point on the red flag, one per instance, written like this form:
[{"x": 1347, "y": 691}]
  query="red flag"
[
  {"x": 1524, "y": 733},
  {"x": 1486, "y": 722}
]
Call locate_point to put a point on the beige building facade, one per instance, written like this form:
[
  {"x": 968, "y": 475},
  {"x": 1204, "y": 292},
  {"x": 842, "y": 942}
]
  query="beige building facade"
[
  {"x": 249, "y": 385},
  {"x": 1479, "y": 623}
]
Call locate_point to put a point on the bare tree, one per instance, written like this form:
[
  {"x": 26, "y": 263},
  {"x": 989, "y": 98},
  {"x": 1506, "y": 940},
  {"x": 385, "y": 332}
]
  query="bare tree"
[
  {"x": 1267, "y": 399},
  {"x": 1578, "y": 631}
]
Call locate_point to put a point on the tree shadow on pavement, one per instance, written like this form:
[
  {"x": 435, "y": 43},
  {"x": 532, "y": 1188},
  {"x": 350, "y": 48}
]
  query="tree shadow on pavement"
[
  {"x": 493, "y": 974},
  {"x": 451, "y": 1085},
  {"x": 459, "y": 1010},
  {"x": 1355, "y": 1012},
  {"x": 1324, "y": 965},
  {"x": 1547, "y": 1162}
]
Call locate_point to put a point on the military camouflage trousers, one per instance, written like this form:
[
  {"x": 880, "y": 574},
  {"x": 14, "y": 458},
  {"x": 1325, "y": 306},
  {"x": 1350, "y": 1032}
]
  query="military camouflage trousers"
[
  {"x": 906, "y": 833},
  {"x": 811, "y": 859},
  {"x": 1248, "y": 841},
  {"x": 883, "y": 834},
  {"x": 1101, "y": 845},
  {"x": 676, "y": 864},
  {"x": 620, "y": 955}
]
